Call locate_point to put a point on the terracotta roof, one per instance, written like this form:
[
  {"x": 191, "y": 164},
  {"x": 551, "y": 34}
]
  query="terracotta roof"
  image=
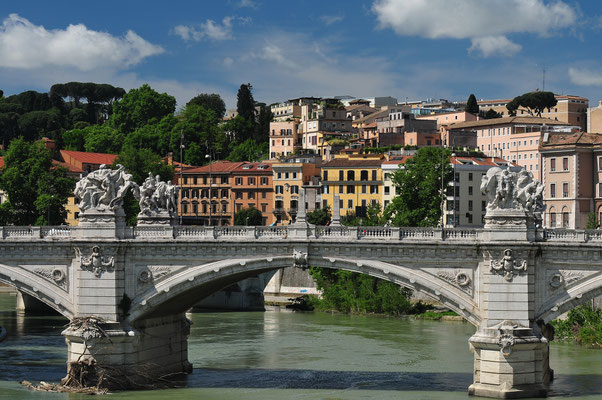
[
  {"x": 507, "y": 120},
  {"x": 253, "y": 168},
  {"x": 557, "y": 139},
  {"x": 90, "y": 158},
  {"x": 1, "y": 162},
  {"x": 396, "y": 160},
  {"x": 371, "y": 116},
  {"x": 216, "y": 167},
  {"x": 496, "y": 161},
  {"x": 71, "y": 168}
]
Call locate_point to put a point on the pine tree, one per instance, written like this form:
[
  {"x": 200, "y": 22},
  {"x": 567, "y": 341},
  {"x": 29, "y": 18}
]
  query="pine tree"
[{"x": 471, "y": 105}]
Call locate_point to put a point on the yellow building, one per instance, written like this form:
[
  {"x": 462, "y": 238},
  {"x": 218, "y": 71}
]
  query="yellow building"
[{"x": 356, "y": 178}]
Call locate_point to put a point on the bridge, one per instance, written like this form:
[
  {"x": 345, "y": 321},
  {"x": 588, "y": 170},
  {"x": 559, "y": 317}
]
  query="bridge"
[{"x": 126, "y": 289}]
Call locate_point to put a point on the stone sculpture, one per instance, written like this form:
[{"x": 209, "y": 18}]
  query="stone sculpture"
[
  {"x": 508, "y": 266},
  {"x": 158, "y": 200},
  {"x": 507, "y": 190},
  {"x": 103, "y": 190}
]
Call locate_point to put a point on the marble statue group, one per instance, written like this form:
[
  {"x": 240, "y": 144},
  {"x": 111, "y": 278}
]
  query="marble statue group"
[
  {"x": 513, "y": 190},
  {"x": 103, "y": 190}
]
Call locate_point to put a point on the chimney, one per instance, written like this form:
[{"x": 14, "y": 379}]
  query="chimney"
[{"x": 600, "y": 103}]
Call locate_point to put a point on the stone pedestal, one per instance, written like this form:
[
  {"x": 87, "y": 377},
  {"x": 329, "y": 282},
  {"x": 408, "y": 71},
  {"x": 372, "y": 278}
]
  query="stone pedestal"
[
  {"x": 102, "y": 223},
  {"x": 162, "y": 218},
  {"x": 129, "y": 358},
  {"x": 509, "y": 362},
  {"x": 509, "y": 225}
]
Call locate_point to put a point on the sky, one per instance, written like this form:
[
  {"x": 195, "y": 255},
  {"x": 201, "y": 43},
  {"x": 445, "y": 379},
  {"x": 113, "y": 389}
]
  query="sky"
[{"x": 408, "y": 49}]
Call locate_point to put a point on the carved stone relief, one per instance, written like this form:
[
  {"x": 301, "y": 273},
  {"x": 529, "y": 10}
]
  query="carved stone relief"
[
  {"x": 565, "y": 278},
  {"x": 461, "y": 279},
  {"x": 97, "y": 263},
  {"x": 508, "y": 266},
  {"x": 54, "y": 274}
]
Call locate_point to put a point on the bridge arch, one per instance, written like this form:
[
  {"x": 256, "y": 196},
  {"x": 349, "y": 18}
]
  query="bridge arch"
[
  {"x": 40, "y": 287},
  {"x": 180, "y": 291},
  {"x": 570, "y": 299}
]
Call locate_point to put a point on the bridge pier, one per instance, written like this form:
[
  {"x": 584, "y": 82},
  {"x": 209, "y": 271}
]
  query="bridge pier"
[{"x": 119, "y": 357}]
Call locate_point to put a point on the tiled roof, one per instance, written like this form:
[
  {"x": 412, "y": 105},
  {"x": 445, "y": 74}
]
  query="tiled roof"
[
  {"x": 571, "y": 139},
  {"x": 507, "y": 120},
  {"x": 495, "y": 161},
  {"x": 353, "y": 163},
  {"x": 216, "y": 167},
  {"x": 253, "y": 168},
  {"x": 90, "y": 158},
  {"x": 396, "y": 160},
  {"x": 71, "y": 168},
  {"x": 1, "y": 162}
]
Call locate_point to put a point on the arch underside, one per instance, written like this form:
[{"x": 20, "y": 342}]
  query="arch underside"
[
  {"x": 180, "y": 291},
  {"x": 569, "y": 299}
]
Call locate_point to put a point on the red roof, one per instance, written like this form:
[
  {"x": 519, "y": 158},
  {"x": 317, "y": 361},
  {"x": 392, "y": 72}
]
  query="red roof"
[
  {"x": 396, "y": 160},
  {"x": 1, "y": 162},
  {"x": 90, "y": 158},
  {"x": 71, "y": 168},
  {"x": 216, "y": 167},
  {"x": 495, "y": 161},
  {"x": 254, "y": 168}
]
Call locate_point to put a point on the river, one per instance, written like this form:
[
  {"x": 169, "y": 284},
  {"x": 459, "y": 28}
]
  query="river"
[{"x": 284, "y": 355}]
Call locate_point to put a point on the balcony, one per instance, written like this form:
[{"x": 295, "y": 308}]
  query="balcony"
[
  {"x": 278, "y": 211},
  {"x": 292, "y": 211}
]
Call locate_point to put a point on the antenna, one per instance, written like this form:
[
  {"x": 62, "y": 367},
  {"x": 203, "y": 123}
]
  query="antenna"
[{"x": 543, "y": 78}]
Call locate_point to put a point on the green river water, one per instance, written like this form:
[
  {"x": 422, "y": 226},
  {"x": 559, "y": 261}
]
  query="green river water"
[{"x": 284, "y": 355}]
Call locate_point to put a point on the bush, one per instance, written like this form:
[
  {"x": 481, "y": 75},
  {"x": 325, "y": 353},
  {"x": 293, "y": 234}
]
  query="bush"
[{"x": 583, "y": 325}]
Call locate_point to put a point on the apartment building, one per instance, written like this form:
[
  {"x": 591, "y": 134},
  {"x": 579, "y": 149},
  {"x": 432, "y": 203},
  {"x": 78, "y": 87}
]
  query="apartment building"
[
  {"x": 291, "y": 175},
  {"x": 206, "y": 194},
  {"x": 284, "y": 139},
  {"x": 323, "y": 120},
  {"x": 356, "y": 179},
  {"x": 286, "y": 111},
  {"x": 400, "y": 122},
  {"x": 389, "y": 167},
  {"x": 252, "y": 186},
  {"x": 512, "y": 138},
  {"x": 594, "y": 119},
  {"x": 465, "y": 205},
  {"x": 449, "y": 117},
  {"x": 572, "y": 172},
  {"x": 571, "y": 110}
]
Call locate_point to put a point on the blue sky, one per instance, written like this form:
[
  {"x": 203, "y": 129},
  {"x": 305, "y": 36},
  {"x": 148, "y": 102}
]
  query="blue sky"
[{"x": 401, "y": 48}]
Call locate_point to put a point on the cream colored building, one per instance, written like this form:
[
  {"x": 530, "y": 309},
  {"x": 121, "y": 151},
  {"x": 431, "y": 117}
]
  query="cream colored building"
[
  {"x": 389, "y": 168},
  {"x": 594, "y": 119}
]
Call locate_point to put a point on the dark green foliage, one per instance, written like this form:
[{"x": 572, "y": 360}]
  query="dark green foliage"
[
  {"x": 534, "y": 102},
  {"x": 490, "y": 114},
  {"x": 31, "y": 101},
  {"x": 248, "y": 216},
  {"x": 591, "y": 221},
  {"x": 248, "y": 150},
  {"x": 374, "y": 217},
  {"x": 262, "y": 127},
  {"x": 102, "y": 139},
  {"x": 351, "y": 292},
  {"x": 471, "y": 105},
  {"x": 211, "y": 102},
  {"x": 245, "y": 105},
  {"x": 419, "y": 186},
  {"x": 319, "y": 216},
  {"x": 37, "y": 124},
  {"x": 35, "y": 189},
  {"x": 583, "y": 325},
  {"x": 139, "y": 107}
]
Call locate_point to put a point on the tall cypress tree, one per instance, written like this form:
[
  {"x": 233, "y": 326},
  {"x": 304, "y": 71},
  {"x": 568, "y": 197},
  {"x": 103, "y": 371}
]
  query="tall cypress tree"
[
  {"x": 471, "y": 105},
  {"x": 245, "y": 104}
]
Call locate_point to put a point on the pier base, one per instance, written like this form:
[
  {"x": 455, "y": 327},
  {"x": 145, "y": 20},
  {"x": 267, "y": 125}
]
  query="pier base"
[
  {"x": 111, "y": 356},
  {"x": 510, "y": 362}
]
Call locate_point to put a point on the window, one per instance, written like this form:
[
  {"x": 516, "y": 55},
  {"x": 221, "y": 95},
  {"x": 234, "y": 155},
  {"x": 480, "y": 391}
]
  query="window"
[
  {"x": 239, "y": 181},
  {"x": 239, "y": 195},
  {"x": 279, "y": 189},
  {"x": 387, "y": 190},
  {"x": 565, "y": 189},
  {"x": 325, "y": 175},
  {"x": 364, "y": 173},
  {"x": 294, "y": 189},
  {"x": 470, "y": 176},
  {"x": 350, "y": 175},
  {"x": 341, "y": 203},
  {"x": 469, "y": 205},
  {"x": 224, "y": 180},
  {"x": 251, "y": 195},
  {"x": 341, "y": 175},
  {"x": 470, "y": 190},
  {"x": 552, "y": 164},
  {"x": 251, "y": 181},
  {"x": 373, "y": 189},
  {"x": 350, "y": 189},
  {"x": 565, "y": 164},
  {"x": 341, "y": 189},
  {"x": 214, "y": 193},
  {"x": 185, "y": 208},
  {"x": 350, "y": 203},
  {"x": 195, "y": 208},
  {"x": 600, "y": 163},
  {"x": 552, "y": 190},
  {"x": 565, "y": 219},
  {"x": 224, "y": 193},
  {"x": 483, "y": 206},
  {"x": 264, "y": 180}
]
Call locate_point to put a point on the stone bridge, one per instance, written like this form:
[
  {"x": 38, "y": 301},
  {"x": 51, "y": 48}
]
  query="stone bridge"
[{"x": 126, "y": 289}]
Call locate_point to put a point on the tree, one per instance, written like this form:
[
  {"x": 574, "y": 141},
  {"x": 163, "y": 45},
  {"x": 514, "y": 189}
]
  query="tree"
[
  {"x": 534, "y": 102},
  {"x": 262, "y": 127},
  {"x": 37, "y": 124},
  {"x": 319, "y": 216},
  {"x": 471, "y": 105},
  {"x": 418, "y": 183},
  {"x": 245, "y": 105},
  {"x": 591, "y": 221},
  {"x": 139, "y": 107},
  {"x": 212, "y": 102},
  {"x": 490, "y": 114},
  {"x": 102, "y": 139},
  {"x": 248, "y": 216},
  {"x": 249, "y": 150},
  {"x": 36, "y": 189}
]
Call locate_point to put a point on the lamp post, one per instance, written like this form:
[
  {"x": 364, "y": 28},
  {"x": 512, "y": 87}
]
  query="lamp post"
[
  {"x": 181, "y": 169},
  {"x": 208, "y": 156},
  {"x": 454, "y": 180}
]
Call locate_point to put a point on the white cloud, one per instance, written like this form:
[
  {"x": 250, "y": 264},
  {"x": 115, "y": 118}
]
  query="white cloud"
[
  {"x": 474, "y": 19},
  {"x": 494, "y": 45},
  {"x": 585, "y": 76},
  {"x": 208, "y": 29},
  {"x": 247, "y": 3},
  {"x": 28, "y": 46},
  {"x": 331, "y": 19}
]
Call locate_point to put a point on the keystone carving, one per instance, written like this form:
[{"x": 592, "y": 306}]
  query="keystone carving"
[
  {"x": 97, "y": 263},
  {"x": 299, "y": 259},
  {"x": 55, "y": 275},
  {"x": 508, "y": 266},
  {"x": 506, "y": 341}
]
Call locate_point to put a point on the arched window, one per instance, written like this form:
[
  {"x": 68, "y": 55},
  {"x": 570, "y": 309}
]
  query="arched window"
[
  {"x": 350, "y": 175},
  {"x": 552, "y": 219},
  {"x": 364, "y": 175},
  {"x": 565, "y": 217}
]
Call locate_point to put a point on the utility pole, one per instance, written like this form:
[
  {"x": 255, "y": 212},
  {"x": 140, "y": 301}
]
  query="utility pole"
[{"x": 181, "y": 169}]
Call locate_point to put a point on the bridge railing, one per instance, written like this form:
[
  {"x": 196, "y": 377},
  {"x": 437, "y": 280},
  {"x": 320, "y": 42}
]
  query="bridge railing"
[{"x": 571, "y": 235}]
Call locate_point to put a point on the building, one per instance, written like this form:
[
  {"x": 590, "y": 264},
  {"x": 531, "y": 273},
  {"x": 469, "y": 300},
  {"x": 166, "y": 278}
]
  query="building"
[
  {"x": 286, "y": 111},
  {"x": 449, "y": 117},
  {"x": 356, "y": 179},
  {"x": 389, "y": 168},
  {"x": 510, "y": 138},
  {"x": 206, "y": 194},
  {"x": 465, "y": 205},
  {"x": 572, "y": 177},
  {"x": 594, "y": 119},
  {"x": 291, "y": 175},
  {"x": 571, "y": 110},
  {"x": 284, "y": 139},
  {"x": 252, "y": 186},
  {"x": 400, "y": 122}
]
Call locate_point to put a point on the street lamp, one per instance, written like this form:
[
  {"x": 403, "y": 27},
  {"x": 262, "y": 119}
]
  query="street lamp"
[
  {"x": 181, "y": 169},
  {"x": 208, "y": 156},
  {"x": 454, "y": 180}
]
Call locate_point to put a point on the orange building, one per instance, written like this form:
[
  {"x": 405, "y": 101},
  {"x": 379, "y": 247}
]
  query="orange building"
[{"x": 252, "y": 187}]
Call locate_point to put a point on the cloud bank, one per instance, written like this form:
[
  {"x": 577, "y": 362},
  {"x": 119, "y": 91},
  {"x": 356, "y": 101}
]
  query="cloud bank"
[
  {"x": 585, "y": 77},
  {"x": 485, "y": 23},
  {"x": 208, "y": 29},
  {"x": 27, "y": 46}
]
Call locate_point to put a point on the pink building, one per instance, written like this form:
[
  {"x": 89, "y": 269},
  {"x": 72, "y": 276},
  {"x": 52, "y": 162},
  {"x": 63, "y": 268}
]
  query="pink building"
[
  {"x": 283, "y": 138},
  {"x": 450, "y": 117}
]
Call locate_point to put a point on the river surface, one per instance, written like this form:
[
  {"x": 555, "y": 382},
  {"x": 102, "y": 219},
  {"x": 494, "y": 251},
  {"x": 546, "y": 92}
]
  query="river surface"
[{"x": 284, "y": 355}]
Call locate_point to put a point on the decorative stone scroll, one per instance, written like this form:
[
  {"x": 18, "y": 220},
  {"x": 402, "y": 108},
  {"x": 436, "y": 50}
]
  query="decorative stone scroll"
[
  {"x": 151, "y": 274},
  {"x": 300, "y": 259},
  {"x": 158, "y": 201},
  {"x": 55, "y": 275},
  {"x": 564, "y": 278},
  {"x": 103, "y": 190},
  {"x": 507, "y": 190},
  {"x": 97, "y": 263},
  {"x": 506, "y": 341},
  {"x": 457, "y": 278},
  {"x": 508, "y": 266}
]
